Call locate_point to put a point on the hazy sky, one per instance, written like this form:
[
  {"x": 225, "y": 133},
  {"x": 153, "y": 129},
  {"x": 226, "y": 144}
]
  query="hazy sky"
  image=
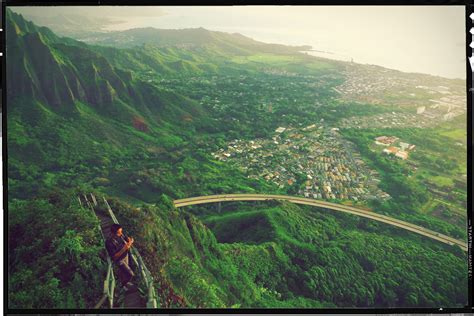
[{"x": 426, "y": 39}]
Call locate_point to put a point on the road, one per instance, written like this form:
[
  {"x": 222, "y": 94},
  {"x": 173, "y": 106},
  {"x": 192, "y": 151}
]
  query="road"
[{"x": 332, "y": 206}]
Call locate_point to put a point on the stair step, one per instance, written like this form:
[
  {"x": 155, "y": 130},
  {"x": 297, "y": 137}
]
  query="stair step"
[{"x": 133, "y": 297}]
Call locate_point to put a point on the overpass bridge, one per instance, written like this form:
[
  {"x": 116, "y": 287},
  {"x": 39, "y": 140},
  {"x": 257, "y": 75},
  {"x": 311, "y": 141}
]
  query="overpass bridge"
[{"x": 323, "y": 204}]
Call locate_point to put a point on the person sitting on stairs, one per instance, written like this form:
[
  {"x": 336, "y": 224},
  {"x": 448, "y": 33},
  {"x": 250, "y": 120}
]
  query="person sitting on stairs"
[{"x": 118, "y": 249}]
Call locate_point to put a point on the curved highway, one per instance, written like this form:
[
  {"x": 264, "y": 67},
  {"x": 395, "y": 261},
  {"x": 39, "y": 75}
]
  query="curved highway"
[{"x": 332, "y": 206}]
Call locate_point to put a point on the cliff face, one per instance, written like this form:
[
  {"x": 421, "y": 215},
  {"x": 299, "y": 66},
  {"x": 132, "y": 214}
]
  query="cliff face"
[
  {"x": 59, "y": 72},
  {"x": 56, "y": 71}
]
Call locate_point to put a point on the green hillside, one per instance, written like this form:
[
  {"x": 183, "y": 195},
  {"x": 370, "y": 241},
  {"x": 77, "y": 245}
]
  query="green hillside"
[
  {"x": 283, "y": 256},
  {"x": 137, "y": 121}
]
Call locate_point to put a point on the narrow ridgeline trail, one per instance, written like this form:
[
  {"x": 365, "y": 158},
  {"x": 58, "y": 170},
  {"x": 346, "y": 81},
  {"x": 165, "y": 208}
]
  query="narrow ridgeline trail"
[
  {"x": 142, "y": 294},
  {"x": 327, "y": 205}
]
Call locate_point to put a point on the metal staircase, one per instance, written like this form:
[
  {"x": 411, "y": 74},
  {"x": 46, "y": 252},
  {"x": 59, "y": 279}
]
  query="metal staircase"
[{"x": 132, "y": 297}]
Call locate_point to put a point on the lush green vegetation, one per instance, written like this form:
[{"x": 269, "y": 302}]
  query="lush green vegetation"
[
  {"x": 139, "y": 124},
  {"x": 55, "y": 253},
  {"x": 417, "y": 185},
  {"x": 289, "y": 256}
]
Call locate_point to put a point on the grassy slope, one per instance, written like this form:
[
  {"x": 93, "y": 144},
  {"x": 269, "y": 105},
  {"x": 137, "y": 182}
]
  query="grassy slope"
[{"x": 324, "y": 254}]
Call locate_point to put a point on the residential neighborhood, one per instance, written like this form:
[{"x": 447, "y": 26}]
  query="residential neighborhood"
[{"x": 313, "y": 161}]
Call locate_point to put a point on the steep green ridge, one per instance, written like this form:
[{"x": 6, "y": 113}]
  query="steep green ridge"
[
  {"x": 124, "y": 123},
  {"x": 56, "y": 253},
  {"x": 300, "y": 258},
  {"x": 323, "y": 256},
  {"x": 59, "y": 72},
  {"x": 68, "y": 105}
]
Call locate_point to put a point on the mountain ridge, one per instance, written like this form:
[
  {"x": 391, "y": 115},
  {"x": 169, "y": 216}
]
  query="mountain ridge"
[{"x": 191, "y": 37}]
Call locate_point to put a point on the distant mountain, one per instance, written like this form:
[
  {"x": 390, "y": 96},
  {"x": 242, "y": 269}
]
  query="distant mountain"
[
  {"x": 198, "y": 37},
  {"x": 72, "y": 25},
  {"x": 76, "y": 21}
]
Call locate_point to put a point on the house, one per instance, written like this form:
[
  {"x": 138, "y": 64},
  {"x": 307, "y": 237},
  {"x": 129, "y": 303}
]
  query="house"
[
  {"x": 379, "y": 143},
  {"x": 280, "y": 129},
  {"x": 404, "y": 146},
  {"x": 390, "y": 150},
  {"x": 385, "y": 140},
  {"x": 402, "y": 154},
  {"x": 309, "y": 127}
]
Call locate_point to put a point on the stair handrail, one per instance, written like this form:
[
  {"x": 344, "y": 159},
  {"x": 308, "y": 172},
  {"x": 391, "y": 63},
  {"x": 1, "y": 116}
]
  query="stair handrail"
[
  {"x": 138, "y": 260},
  {"x": 109, "y": 282}
]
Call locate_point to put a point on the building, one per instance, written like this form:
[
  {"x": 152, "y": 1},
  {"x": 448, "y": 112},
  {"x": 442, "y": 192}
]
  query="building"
[
  {"x": 390, "y": 150},
  {"x": 404, "y": 146},
  {"x": 280, "y": 129},
  {"x": 420, "y": 110},
  {"x": 307, "y": 128},
  {"x": 448, "y": 116},
  {"x": 380, "y": 143},
  {"x": 402, "y": 154},
  {"x": 385, "y": 140}
]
